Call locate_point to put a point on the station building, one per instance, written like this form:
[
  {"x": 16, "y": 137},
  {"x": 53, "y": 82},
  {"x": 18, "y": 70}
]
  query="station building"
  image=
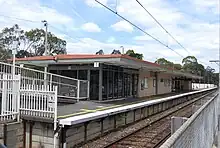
[{"x": 115, "y": 76}]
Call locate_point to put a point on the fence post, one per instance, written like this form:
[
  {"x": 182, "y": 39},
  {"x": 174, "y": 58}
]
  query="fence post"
[
  {"x": 55, "y": 116},
  {"x": 176, "y": 122},
  {"x": 18, "y": 94},
  {"x": 4, "y": 93},
  {"x": 78, "y": 90},
  {"x": 88, "y": 91},
  {"x": 88, "y": 84},
  {"x": 45, "y": 75}
]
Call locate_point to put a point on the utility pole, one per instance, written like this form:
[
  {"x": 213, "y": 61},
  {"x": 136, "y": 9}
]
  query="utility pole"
[
  {"x": 46, "y": 26},
  {"x": 122, "y": 47},
  {"x": 45, "y": 52}
]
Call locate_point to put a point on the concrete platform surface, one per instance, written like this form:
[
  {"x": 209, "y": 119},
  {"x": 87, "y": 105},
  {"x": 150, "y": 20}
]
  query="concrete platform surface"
[{"x": 84, "y": 107}]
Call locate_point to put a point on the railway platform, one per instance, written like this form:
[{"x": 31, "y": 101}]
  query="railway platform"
[{"x": 84, "y": 107}]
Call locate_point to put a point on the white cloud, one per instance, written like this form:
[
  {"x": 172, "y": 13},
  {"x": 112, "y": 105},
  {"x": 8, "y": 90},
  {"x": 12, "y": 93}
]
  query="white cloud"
[
  {"x": 150, "y": 51},
  {"x": 142, "y": 38},
  {"x": 122, "y": 26},
  {"x": 198, "y": 35},
  {"x": 207, "y": 5},
  {"x": 91, "y": 27},
  {"x": 32, "y": 10},
  {"x": 111, "y": 39},
  {"x": 93, "y": 3}
]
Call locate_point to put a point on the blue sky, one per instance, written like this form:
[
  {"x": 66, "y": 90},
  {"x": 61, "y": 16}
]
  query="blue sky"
[{"x": 88, "y": 27}]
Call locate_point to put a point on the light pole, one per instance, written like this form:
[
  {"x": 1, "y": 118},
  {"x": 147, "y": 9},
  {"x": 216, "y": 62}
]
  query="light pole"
[
  {"x": 14, "y": 50},
  {"x": 45, "y": 51},
  {"x": 46, "y": 26},
  {"x": 122, "y": 47}
]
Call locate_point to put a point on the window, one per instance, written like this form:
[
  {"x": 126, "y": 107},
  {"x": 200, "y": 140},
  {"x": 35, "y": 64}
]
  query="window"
[
  {"x": 154, "y": 82},
  {"x": 169, "y": 82},
  {"x": 165, "y": 82},
  {"x": 144, "y": 83}
]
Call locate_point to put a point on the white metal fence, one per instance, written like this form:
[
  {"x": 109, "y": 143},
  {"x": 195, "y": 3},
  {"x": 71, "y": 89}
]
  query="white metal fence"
[
  {"x": 199, "y": 130},
  {"x": 9, "y": 94},
  {"x": 40, "y": 101},
  {"x": 67, "y": 87},
  {"x": 197, "y": 86}
]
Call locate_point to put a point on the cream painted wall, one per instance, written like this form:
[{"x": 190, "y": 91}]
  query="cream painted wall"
[
  {"x": 162, "y": 89},
  {"x": 187, "y": 85},
  {"x": 148, "y": 91}
]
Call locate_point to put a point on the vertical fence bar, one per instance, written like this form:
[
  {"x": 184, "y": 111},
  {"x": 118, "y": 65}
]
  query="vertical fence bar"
[
  {"x": 18, "y": 98},
  {"x": 78, "y": 90},
  {"x": 88, "y": 90},
  {"x": 55, "y": 116},
  {"x": 4, "y": 93}
]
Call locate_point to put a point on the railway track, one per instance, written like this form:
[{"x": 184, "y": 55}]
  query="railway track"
[{"x": 151, "y": 135}]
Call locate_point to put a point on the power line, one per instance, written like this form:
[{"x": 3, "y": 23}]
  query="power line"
[
  {"x": 68, "y": 34},
  {"x": 163, "y": 27},
  {"x": 20, "y": 19},
  {"x": 32, "y": 21},
  {"x": 139, "y": 28}
]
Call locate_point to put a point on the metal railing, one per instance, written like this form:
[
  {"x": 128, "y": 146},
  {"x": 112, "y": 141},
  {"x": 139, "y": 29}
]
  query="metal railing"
[
  {"x": 9, "y": 97},
  {"x": 38, "y": 100},
  {"x": 67, "y": 87},
  {"x": 197, "y": 86},
  {"x": 199, "y": 130}
]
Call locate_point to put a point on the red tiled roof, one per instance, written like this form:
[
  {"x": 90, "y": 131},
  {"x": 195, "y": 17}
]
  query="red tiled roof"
[{"x": 86, "y": 56}]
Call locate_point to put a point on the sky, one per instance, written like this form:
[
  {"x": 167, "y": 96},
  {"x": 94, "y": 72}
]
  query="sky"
[{"x": 88, "y": 27}]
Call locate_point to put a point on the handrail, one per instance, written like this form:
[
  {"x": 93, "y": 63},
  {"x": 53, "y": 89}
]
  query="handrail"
[{"x": 171, "y": 141}]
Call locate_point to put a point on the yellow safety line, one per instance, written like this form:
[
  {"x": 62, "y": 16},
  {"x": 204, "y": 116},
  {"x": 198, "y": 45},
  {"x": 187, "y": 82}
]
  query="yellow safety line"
[
  {"x": 70, "y": 115},
  {"x": 108, "y": 107},
  {"x": 84, "y": 111}
]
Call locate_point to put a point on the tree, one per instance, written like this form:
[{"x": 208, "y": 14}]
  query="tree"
[
  {"x": 4, "y": 54},
  {"x": 189, "y": 60},
  {"x": 31, "y": 43},
  {"x": 131, "y": 53},
  {"x": 209, "y": 76},
  {"x": 116, "y": 52},
  {"x": 166, "y": 63},
  {"x": 36, "y": 40},
  {"x": 190, "y": 64},
  {"x": 177, "y": 66},
  {"x": 100, "y": 52}
]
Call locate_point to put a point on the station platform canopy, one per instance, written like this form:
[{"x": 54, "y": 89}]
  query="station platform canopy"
[{"x": 112, "y": 59}]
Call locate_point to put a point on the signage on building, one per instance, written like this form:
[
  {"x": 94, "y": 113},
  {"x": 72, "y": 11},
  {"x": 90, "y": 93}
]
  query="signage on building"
[{"x": 96, "y": 64}]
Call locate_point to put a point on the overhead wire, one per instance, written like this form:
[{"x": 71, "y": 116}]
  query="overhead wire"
[
  {"x": 65, "y": 33},
  {"x": 19, "y": 19},
  {"x": 151, "y": 15},
  {"x": 163, "y": 27},
  {"x": 33, "y": 21},
  {"x": 139, "y": 28}
]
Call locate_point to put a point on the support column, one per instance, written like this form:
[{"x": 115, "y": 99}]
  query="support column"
[
  {"x": 63, "y": 138},
  {"x": 30, "y": 134},
  {"x": 130, "y": 85},
  {"x": 77, "y": 74},
  {"x": 156, "y": 85},
  {"x": 88, "y": 86},
  {"x": 176, "y": 123},
  {"x": 107, "y": 84},
  {"x": 113, "y": 84},
  {"x": 45, "y": 76},
  {"x": 100, "y": 82},
  {"x": 24, "y": 133}
]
